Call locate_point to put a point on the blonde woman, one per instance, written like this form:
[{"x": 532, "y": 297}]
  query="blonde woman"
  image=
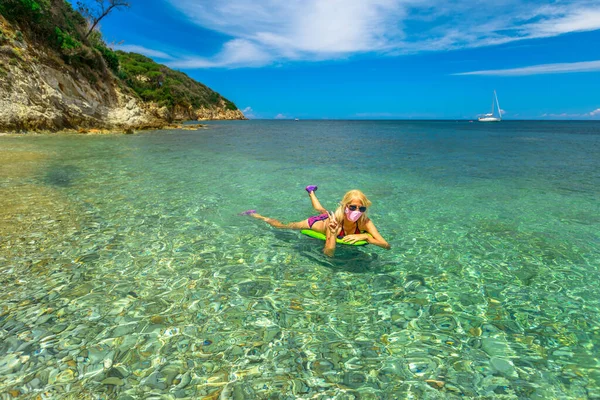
[{"x": 349, "y": 222}]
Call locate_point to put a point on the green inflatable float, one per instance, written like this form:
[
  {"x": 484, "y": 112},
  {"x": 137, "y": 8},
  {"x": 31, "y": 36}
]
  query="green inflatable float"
[{"x": 319, "y": 235}]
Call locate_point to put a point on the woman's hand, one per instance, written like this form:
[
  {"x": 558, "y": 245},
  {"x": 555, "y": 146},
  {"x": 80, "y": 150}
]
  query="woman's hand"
[
  {"x": 333, "y": 225},
  {"x": 355, "y": 238}
]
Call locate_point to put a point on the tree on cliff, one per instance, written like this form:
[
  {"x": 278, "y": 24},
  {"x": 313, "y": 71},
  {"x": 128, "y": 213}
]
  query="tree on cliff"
[{"x": 98, "y": 10}]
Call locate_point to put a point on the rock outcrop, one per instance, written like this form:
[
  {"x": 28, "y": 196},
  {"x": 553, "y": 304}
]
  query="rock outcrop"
[
  {"x": 205, "y": 114},
  {"x": 39, "y": 91},
  {"x": 34, "y": 96}
]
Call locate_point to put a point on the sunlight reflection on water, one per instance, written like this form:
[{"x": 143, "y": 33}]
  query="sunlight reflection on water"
[{"x": 127, "y": 271}]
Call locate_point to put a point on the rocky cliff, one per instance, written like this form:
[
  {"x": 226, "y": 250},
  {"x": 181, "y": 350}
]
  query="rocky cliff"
[
  {"x": 40, "y": 90},
  {"x": 205, "y": 114}
]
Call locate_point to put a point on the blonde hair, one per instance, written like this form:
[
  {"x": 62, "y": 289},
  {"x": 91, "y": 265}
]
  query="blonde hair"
[{"x": 347, "y": 199}]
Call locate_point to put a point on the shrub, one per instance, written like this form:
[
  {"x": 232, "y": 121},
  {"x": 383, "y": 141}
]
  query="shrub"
[
  {"x": 110, "y": 57},
  {"x": 24, "y": 10},
  {"x": 65, "y": 41},
  {"x": 214, "y": 98},
  {"x": 157, "y": 83},
  {"x": 17, "y": 53},
  {"x": 156, "y": 77},
  {"x": 229, "y": 105}
]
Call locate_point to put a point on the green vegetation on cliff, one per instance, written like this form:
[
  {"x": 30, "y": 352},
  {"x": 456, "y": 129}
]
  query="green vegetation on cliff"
[
  {"x": 157, "y": 83},
  {"x": 55, "y": 26}
]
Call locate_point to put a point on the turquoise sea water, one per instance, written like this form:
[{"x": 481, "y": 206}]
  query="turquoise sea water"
[{"x": 127, "y": 272}]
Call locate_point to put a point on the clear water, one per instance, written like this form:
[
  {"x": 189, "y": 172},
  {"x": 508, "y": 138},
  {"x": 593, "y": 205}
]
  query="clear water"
[{"x": 127, "y": 272}]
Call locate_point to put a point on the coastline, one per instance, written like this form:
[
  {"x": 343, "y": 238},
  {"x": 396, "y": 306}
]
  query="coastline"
[
  {"x": 97, "y": 131},
  {"x": 42, "y": 92}
]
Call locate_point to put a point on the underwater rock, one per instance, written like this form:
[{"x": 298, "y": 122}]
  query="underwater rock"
[
  {"x": 495, "y": 347},
  {"x": 435, "y": 384},
  {"x": 321, "y": 366},
  {"x": 170, "y": 371},
  {"x": 503, "y": 366},
  {"x": 113, "y": 381},
  {"x": 254, "y": 288},
  {"x": 66, "y": 376},
  {"x": 354, "y": 379},
  {"x": 153, "y": 381},
  {"x": 184, "y": 380}
]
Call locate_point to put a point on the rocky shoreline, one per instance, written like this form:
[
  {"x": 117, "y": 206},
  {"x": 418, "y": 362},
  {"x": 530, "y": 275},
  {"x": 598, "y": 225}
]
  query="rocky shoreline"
[
  {"x": 96, "y": 131},
  {"x": 39, "y": 92},
  {"x": 37, "y": 97}
]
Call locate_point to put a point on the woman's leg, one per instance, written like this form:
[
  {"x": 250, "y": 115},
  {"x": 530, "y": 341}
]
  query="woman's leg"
[
  {"x": 315, "y": 202},
  {"x": 277, "y": 224}
]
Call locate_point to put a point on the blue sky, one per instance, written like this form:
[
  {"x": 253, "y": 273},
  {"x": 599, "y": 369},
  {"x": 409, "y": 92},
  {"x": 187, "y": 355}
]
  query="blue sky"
[{"x": 377, "y": 59}]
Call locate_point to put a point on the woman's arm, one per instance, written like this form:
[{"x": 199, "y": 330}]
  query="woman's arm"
[
  {"x": 331, "y": 232},
  {"x": 372, "y": 238}
]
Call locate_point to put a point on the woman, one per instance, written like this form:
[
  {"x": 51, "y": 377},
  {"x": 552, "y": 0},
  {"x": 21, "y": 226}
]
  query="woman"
[{"x": 348, "y": 222}]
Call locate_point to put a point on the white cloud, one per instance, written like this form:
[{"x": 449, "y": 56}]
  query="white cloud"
[
  {"x": 235, "y": 53},
  {"x": 585, "y": 66},
  {"x": 268, "y": 31},
  {"x": 249, "y": 113},
  {"x": 280, "y": 116},
  {"x": 132, "y": 48},
  {"x": 562, "y": 115},
  {"x": 595, "y": 113},
  {"x": 591, "y": 115},
  {"x": 562, "y": 20}
]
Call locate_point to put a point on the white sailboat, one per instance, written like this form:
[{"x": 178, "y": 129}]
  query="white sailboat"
[{"x": 491, "y": 117}]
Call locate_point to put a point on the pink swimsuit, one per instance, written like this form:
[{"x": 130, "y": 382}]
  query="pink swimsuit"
[{"x": 323, "y": 217}]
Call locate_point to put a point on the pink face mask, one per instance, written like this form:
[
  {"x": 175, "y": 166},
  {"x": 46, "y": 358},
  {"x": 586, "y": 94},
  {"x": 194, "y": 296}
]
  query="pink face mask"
[{"x": 352, "y": 215}]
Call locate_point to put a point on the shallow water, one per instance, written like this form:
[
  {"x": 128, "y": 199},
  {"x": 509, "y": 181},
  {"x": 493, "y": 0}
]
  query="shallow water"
[{"x": 128, "y": 272}]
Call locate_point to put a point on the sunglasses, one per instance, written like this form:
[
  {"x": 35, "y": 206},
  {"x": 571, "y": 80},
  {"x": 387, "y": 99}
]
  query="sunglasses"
[{"x": 352, "y": 207}]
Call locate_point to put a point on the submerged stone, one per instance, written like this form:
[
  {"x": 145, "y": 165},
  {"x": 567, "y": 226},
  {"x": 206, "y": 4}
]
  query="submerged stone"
[
  {"x": 113, "y": 381},
  {"x": 503, "y": 366}
]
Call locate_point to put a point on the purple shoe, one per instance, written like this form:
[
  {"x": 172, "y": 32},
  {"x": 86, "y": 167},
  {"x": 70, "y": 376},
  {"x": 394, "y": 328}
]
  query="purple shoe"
[
  {"x": 249, "y": 212},
  {"x": 311, "y": 188}
]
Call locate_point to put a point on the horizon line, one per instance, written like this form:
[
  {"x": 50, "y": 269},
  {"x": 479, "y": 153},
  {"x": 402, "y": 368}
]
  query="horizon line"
[{"x": 404, "y": 119}]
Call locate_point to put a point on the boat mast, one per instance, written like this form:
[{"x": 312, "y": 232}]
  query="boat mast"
[{"x": 498, "y": 104}]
